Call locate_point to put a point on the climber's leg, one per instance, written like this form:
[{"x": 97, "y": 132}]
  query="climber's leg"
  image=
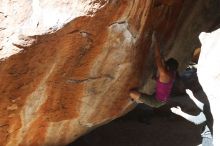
[{"x": 149, "y": 100}]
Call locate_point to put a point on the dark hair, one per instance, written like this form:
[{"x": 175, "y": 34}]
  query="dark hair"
[{"x": 172, "y": 64}]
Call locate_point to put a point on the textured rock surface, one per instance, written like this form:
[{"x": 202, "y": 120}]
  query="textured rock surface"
[
  {"x": 66, "y": 66},
  {"x": 209, "y": 75}
]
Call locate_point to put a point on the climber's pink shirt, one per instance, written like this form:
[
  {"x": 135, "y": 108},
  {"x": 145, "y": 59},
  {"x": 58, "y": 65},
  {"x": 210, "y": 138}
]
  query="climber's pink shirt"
[{"x": 163, "y": 90}]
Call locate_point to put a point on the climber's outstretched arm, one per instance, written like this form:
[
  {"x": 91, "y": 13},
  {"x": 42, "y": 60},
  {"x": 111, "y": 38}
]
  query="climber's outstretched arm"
[{"x": 158, "y": 58}]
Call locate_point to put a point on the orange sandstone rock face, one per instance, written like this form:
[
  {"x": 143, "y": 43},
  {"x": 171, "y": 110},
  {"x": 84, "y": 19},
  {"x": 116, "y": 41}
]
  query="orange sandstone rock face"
[{"x": 67, "y": 67}]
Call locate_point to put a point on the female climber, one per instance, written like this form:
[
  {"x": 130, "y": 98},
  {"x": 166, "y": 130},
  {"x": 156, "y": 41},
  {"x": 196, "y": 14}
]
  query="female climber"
[{"x": 166, "y": 73}]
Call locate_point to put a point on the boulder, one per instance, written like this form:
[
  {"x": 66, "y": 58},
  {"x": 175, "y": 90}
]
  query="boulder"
[{"x": 66, "y": 66}]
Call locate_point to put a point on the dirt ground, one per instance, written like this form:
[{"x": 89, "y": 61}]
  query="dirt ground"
[
  {"x": 153, "y": 127},
  {"x": 144, "y": 127}
]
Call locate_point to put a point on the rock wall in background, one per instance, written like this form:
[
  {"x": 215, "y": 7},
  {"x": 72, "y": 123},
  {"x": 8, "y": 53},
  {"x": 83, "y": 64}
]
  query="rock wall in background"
[{"x": 66, "y": 66}]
